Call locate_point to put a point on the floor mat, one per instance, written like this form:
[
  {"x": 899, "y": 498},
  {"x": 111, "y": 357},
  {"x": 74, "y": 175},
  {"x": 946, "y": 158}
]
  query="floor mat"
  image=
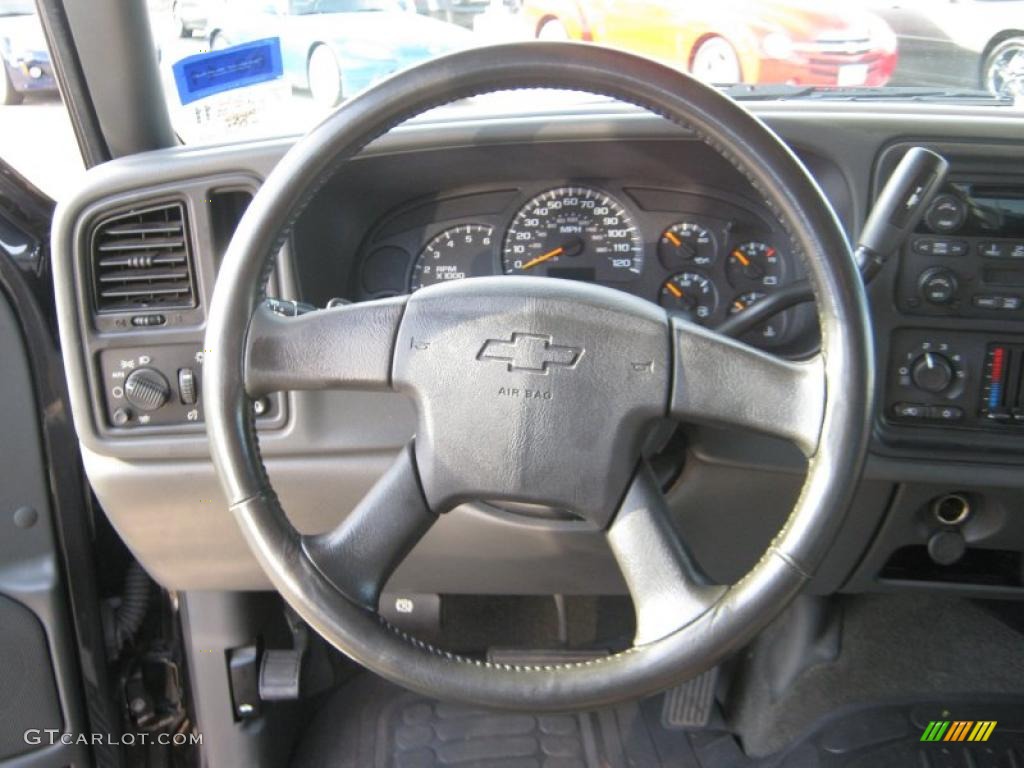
[{"x": 372, "y": 724}]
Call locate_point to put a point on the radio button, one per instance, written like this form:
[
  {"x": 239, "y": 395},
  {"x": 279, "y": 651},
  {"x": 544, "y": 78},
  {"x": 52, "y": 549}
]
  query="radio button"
[
  {"x": 998, "y": 414},
  {"x": 1005, "y": 303},
  {"x": 933, "y": 247},
  {"x": 993, "y": 250}
]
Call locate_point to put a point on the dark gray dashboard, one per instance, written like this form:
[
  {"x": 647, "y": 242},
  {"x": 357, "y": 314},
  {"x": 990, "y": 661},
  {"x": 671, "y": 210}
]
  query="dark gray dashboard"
[{"x": 360, "y": 238}]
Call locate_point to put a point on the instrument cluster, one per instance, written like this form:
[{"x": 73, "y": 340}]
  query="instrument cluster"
[{"x": 703, "y": 255}]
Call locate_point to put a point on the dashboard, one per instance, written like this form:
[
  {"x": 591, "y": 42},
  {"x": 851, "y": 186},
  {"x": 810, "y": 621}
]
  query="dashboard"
[
  {"x": 703, "y": 254},
  {"x": 605, "y": 194}
]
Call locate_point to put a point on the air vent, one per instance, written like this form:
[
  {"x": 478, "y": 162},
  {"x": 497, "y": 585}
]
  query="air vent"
[{"x": 142, "y": 260}]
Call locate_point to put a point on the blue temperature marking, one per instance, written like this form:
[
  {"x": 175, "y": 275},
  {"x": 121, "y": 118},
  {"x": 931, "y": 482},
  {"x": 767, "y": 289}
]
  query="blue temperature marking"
[{"x": 994, "y": 394}]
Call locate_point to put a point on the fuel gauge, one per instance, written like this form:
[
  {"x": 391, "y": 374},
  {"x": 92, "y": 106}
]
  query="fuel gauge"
[{"x": 771, "y": 332}]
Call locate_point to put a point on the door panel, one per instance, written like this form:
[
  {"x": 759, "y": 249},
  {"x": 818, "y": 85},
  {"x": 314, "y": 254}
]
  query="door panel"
[{"x": 39, "y": 686}]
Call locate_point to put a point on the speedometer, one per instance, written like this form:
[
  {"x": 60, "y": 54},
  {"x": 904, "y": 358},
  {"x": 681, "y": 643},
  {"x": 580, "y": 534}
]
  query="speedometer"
[{"x": 578, "y": 233}]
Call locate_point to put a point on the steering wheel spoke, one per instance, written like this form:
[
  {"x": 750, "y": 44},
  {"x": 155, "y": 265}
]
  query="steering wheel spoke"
[
  {"x": 539, "y": 390},
  {"x": 359, "y": 555},
  {"x": 722, "y": 381},
  {"x": 347, "y": 347},
  {"x": 669, "y": 590}
]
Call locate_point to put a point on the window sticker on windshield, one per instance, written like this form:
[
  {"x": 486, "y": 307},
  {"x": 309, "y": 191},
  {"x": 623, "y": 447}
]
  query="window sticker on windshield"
[
  {"x": 230, "y": 89},
  {"x": 206, "y": 74}
]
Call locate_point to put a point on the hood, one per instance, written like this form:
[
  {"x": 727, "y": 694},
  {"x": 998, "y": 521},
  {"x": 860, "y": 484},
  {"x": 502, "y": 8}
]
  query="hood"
[
  {"x": 23, "y": 33},
  {"x": 394, "y": 31},
  {"x": 804, "y": 20},
  {"x": 811, "y": 21}
]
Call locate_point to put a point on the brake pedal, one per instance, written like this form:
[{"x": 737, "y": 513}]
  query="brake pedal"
[{"x": 690, "y": 706}]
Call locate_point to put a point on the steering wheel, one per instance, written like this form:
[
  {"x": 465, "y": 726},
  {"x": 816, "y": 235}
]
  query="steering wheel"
[{"x": 538, "y": 390}]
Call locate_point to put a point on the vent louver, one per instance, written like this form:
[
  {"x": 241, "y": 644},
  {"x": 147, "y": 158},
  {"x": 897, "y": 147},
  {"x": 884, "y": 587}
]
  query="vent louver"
[{"x": 143, "y": 260}]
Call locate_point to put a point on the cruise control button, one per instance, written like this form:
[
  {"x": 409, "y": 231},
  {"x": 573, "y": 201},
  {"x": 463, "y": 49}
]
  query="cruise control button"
[
  {"x": 910, "y": 411},
  {"x": 945, "y": 413},
  {"x": 1016, "y": 250}
]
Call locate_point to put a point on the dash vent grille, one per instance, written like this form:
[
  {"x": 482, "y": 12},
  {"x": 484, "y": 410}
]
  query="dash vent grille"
[{"x": 142, "y": 260}]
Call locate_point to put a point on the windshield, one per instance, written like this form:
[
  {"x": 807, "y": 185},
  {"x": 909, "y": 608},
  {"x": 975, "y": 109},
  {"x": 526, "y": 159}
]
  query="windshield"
[
  {"x": 17, "y": 7},
  {"x": 236, "y": 68},
  {"x": 343, "y": 6}
]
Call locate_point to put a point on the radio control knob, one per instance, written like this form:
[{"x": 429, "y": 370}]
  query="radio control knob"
[
  {"x": 932, "y": 373},
  {"x": 938, "y": 285},
  {"x": 147, "y": 389},
  {"x": 946, "y": 214}
]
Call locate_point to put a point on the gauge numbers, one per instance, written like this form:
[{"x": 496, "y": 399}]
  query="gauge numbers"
[
  {"x": 578, "y": 233},
  {"x": 690, "y": 294},
  {"x": 754, "y": 265},
  {"x": 771, "y": 332},
  {"x": 687, "y": 244},
  {"x": 454, "y": 254}
]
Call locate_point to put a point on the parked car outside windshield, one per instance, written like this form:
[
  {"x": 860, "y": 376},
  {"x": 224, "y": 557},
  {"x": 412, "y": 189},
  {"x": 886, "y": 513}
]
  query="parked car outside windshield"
[
  {"x": 326, "y": 51},
  {"x": 334, "y": 48},
  {"x": 23, "y": 55}
]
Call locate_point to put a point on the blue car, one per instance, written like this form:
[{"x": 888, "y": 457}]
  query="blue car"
[
  {"x": 337, "y": 47},
  {"x": 23, "y": 54}
]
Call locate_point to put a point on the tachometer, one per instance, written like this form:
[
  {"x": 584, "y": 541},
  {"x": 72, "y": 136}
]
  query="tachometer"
[
  {"x": 578, "y": 233},
  {"x": 456, "y": 253}
]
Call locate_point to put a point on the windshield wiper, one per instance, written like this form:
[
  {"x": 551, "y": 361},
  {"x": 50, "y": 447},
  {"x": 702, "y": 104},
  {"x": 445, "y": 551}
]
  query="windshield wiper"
[{"x": 743, "y": 92}]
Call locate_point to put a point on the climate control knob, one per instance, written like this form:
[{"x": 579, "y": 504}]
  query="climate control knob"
[
  {"x": 932, "y": 373},
  {"x": 147, "y": 389}
]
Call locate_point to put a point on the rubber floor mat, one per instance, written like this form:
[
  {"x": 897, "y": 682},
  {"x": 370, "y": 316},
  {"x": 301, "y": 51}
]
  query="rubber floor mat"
[{"x": 371, "y": 723}]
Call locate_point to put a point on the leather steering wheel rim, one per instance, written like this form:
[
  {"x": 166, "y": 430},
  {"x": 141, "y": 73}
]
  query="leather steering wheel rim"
[{"x": 244, "y": 359}]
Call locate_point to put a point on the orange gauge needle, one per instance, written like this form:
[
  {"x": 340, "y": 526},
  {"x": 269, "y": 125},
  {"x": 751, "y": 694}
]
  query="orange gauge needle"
[
  {"x": 671, "y": 237},
  {"x": 543, "y": 257},
  {"x": 674, "y": 291},
  {"x": 741, "y": 258}
]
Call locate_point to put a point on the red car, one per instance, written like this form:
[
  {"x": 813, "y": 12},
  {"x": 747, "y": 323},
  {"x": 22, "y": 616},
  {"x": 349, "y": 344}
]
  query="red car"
[{"x": 732, "y": 41}]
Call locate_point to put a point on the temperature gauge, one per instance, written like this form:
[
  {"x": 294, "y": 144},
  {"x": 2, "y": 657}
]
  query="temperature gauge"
[
  {"x": 690, "y": 294},
  {"x": 754, "y": 265},
  {"x": 687, "y": 244},
  {"x": 769, "y": 333}
]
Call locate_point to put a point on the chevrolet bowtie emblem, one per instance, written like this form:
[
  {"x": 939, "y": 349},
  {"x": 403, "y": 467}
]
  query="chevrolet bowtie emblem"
[{"x": 530, "y": 352}]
